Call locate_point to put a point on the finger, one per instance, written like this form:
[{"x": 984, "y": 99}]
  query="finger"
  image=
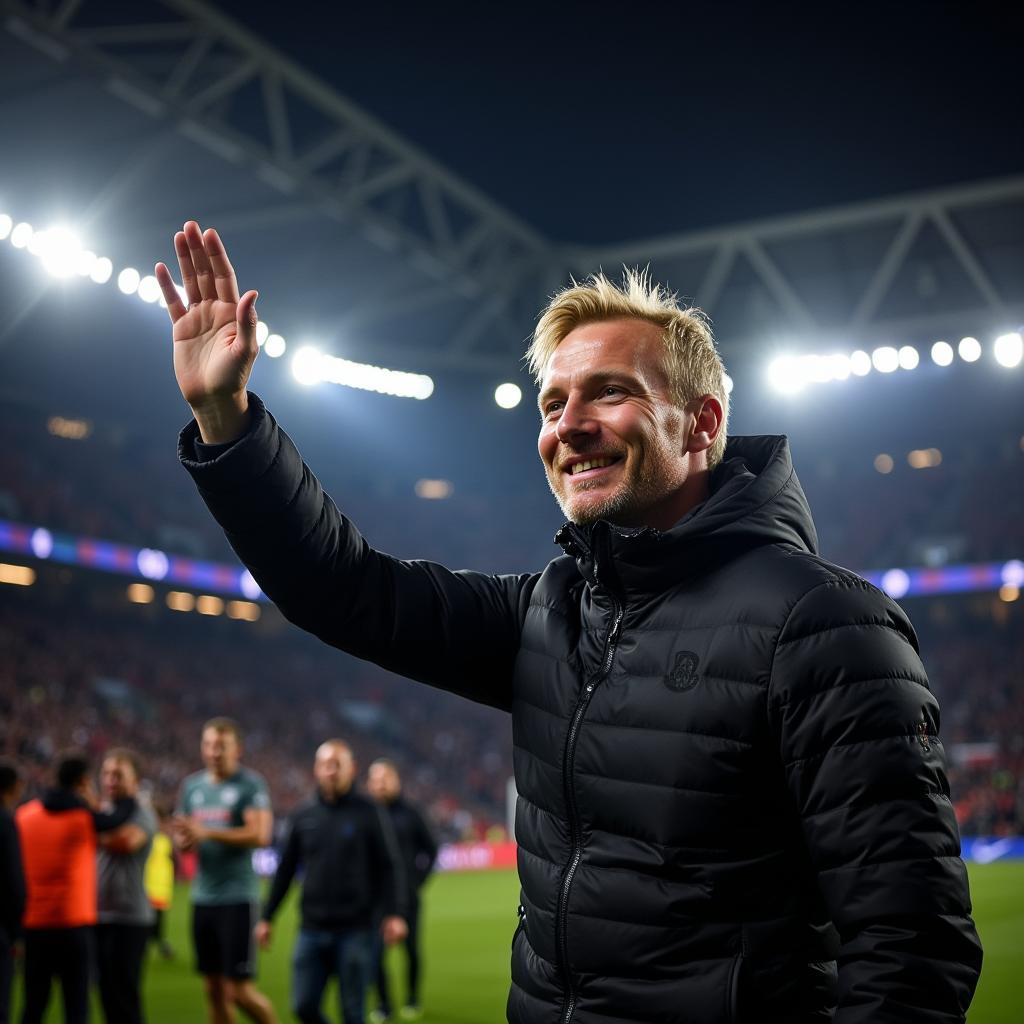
[
  {"x": 188, "y": 270},
  {"x": 247, "y": 319},
  {"x": 175, "y": 307},
  {"x": 223, "y": 273},
  {"x": 201, "y": 261}
]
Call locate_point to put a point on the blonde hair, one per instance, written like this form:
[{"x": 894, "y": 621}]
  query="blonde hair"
[{"x": 692, "y": 360}]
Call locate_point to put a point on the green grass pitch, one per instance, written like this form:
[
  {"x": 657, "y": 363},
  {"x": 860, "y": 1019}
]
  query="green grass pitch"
[{"x": 469, "y": 919}]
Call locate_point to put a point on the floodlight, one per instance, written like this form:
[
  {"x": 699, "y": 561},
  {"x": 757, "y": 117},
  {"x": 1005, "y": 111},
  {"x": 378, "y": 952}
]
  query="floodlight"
[
  {"x": 1012, "y": 573},
  {"x": 908, "y": 357},
  {"x": 262, "y": 332},
  {"x": 306, "y": 365},
  {"x": 153, "y": 564},
  {"x": 840, "y": 366},
  {"x": 885, "y": 359},
  {"x": 969, "y": 349},
  {"x": 101, "y": 270},
  {"x": 508, "y": 395},
  {"x": 274, "y": 346},
  {"x": 942, "y": 353},
  {"x": 21, "y": 235},
  {"x": 59, "y": 250},
  {"x": 41, "y": 543},
  {"x": 5, "y": 225},
  {"x": 1009, "y": 349},
  {"x": 249, "y": 587},
  {"x": 149, "y": 289},
  {"x": 860, "y": 363},
  {"x": 785, "y": 374},
  {"x": 727, "y": 383},
  {"x": 128, "y": 280}
]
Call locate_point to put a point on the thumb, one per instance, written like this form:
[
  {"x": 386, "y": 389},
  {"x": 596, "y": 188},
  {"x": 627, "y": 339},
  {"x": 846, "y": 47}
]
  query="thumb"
[{"x": 247, "y": 317}]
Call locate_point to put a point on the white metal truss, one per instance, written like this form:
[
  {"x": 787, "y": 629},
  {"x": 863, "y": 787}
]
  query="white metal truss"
[
  {"x": 184, "y": 62},
  {"x": 964, "y": 248},
  {"x": 933, "y": 261}
]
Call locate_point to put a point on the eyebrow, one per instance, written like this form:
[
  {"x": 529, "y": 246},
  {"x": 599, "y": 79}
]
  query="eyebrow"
[{"x": 595, "y": 379}]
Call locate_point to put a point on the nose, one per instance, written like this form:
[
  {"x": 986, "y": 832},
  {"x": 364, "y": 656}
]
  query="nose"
[{"x": 575, "y": 421}]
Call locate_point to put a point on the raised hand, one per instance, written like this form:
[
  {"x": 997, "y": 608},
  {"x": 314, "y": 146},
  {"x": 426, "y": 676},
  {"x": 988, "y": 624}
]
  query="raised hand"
[{"x": 214, "y": 337}]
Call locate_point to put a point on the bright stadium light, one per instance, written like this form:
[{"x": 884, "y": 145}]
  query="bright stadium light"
[
  {"x": 128, "y": 280},
  {"x": 969, "y": 349},
  {"x": 886, "y": 359},
  {"x": 785, "y": 374},
  {"x": 909, "y": 357},
  {"x": 1012, "y": 573},
  {"x": 262, "y": 332},
  {"x": 508, "y": 395},
  {"x": 860, "y": 363},
  {"x": 306, "y": 365},
  {"x": 101, "y": 270},
  {"x": 149, "y": 289},
  {"x": 21, "y": 235},
  {"x": 895, "y": 583},
  {"x": 840, "y": 366},
  {"x": 727, "y": 383},
  {"x": 1009, "y": 349},
  {"x": 375, "y": 378},
  {"x": 59, "y": 249},
  {"x": 5, "y": 225},
  {"x": 942, "y": 353},
  {"x": 274, "y": 346}
]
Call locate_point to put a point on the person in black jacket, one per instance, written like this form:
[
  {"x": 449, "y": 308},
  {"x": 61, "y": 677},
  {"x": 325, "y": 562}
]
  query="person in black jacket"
[
  {"x": 732, "y": 796},
  {"x": 12, "y": 881},
  {"x": 418, "y": 850},
  {"x": 339, "y": 842}
]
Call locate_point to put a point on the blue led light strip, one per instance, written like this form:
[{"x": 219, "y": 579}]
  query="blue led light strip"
[
  {"x": 158, "y": 567},
  {"x": 141, "y": 563}
]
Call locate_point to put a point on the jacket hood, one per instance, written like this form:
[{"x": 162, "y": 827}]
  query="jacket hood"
[{"x": 755, "y": 499}]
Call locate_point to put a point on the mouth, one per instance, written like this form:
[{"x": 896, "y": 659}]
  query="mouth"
[{"x": 591, "y": 467}]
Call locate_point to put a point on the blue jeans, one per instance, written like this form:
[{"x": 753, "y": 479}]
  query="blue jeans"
[{"x": 319, "y": 954}]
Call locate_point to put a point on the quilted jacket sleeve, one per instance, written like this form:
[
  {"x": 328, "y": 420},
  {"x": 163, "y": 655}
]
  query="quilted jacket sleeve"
[
  {"x": 455, "y": 630},
  {"x": 858, "y": 729}
]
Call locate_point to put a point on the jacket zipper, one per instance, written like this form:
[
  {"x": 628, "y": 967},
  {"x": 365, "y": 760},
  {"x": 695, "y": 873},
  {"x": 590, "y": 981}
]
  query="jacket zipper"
[{"x": 570, "y": 801}]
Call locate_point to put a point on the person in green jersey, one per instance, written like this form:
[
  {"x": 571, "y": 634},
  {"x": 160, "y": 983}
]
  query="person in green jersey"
[{"x": 224, "y": 814}]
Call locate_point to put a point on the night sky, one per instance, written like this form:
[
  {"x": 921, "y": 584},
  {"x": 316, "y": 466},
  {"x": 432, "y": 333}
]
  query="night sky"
[{"x": 602, "y": 123}]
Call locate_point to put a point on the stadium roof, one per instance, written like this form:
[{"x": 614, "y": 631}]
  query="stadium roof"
[{"x": 126, "y": 118}]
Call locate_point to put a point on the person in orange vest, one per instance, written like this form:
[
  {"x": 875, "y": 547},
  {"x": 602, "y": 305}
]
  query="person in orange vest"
[{"x": 58, "y": 849}]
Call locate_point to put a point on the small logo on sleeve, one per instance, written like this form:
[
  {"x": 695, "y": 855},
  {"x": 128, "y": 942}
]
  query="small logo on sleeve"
[{"x": 684, "y": 672}]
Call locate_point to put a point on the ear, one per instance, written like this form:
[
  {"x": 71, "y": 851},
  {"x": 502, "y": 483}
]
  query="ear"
[{"x": 707, "y": 414}]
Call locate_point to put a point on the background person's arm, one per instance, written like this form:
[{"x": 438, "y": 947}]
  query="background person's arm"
[{"x": 858, "y": 731}]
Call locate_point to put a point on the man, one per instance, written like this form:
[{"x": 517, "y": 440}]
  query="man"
[
  {"x": 224, "y": 813},
  {"x": 125, "y": 917},
  {"x": 732, "y": 797},
  {"x": 12, "y": 881},
  {"x": 417, "y": 850},
  {"x": 58, "y": 847},
  {"x": 338, "y": 841}
]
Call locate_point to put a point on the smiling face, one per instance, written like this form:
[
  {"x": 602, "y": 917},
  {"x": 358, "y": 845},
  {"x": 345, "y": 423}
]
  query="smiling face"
[{"x": 614, "y": 444}]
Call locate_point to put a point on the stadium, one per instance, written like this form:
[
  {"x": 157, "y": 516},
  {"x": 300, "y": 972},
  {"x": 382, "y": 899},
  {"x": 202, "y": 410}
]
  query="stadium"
[{"x": 407, "y": 200}]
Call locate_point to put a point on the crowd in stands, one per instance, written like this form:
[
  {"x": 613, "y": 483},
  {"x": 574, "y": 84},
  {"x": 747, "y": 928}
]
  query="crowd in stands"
[
  {"x": 92, "y": 684},
  {"x": 122, "y": 682}
]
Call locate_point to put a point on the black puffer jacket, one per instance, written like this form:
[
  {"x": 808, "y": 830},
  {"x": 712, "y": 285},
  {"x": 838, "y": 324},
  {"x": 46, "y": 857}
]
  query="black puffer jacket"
[{"x": 726, "y": 750}]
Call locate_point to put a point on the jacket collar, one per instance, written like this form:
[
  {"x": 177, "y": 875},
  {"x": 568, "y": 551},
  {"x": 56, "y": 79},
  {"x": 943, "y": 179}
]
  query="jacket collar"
[{"x": 755, "y": 499}]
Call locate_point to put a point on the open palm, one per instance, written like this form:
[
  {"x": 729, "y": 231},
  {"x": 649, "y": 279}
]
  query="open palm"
[{"x": 215, "y": 335}]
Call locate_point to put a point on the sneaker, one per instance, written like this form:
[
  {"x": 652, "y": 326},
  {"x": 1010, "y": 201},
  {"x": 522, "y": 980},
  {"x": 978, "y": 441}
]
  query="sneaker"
[
  {"x": 410, "y": 1013},
  {"x": 378, "y": 1017}
]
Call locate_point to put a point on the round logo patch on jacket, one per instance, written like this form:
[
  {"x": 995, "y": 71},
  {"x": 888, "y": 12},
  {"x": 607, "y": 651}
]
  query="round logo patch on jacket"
[{"x": 684, "y": 672}]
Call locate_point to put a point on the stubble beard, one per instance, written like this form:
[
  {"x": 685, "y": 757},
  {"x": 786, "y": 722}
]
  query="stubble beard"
[{"x": 623, "y": 506}]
